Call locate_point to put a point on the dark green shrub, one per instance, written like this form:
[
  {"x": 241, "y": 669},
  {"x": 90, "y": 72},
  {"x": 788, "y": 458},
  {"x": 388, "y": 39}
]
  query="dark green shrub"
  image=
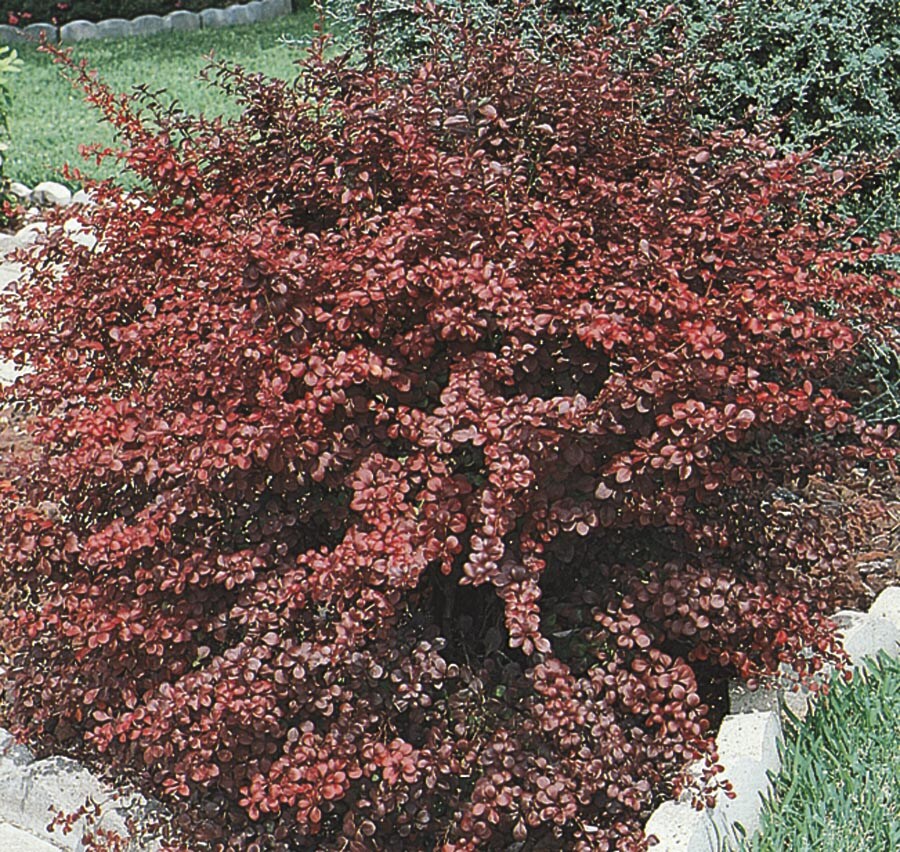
[{"x": 831, "y": 69}]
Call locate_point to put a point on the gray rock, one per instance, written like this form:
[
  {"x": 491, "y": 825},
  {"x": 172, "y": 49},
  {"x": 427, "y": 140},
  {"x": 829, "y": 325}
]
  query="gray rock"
[
  {"x": 29, "y": 233},
  {"x": 256, "y": 11},
  {"x": 11, "y": 753},
  {"x": 799, "y": 700},
  {"x": 79, "y": 234},
  {"x": 11, "y": 35},
  {"x": 50, "y": 193},
  {"x": 751, "y": 735},
  {"x": 147, "y": 25},
  {"x": 10, "y": 273},
  {"x": 284, "y": 6},
  {"x": 183, "y": 21},
  {"x": 76, "y": 31},
  {"x": 680, "y": 828},
  {"x": 15, "y": 840},
  {"x": 9, "y": 372},
  {"x": 271, "y": 9},
  {"x": 115, "y": 28},
  {"x": 237, "y": 15},
  {"x": 864, "y": 635},
  {"x": 741, "y": 815},
  {"x": 8, "y": 243},
  {"x": 213, "y": 19},
  {"x": 20, "y": 190},
  {"x": 742, "y": 699},
  {"x": 46, "y": 31},
  {"x": 887, "y": 605},
  {"x": 776, "y": 693},
  {"x": 31, "y": 795},
  {"x": 81, "y": 197},
  {"x": 748, "y": 750}
]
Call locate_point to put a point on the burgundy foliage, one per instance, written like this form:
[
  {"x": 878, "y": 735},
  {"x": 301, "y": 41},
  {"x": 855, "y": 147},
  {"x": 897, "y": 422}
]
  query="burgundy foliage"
[{"x": 412, "y": 451}]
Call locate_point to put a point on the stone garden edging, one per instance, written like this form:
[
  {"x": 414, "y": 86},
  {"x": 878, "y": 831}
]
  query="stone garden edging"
[
  {"x": 47, "y": 193},
  {"x": 749, "y": 737},
  {"x": 254, "y": 12}
]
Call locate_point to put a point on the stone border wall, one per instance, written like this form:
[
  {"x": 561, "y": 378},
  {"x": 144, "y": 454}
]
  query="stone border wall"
[
  {"x": 748, "y": 740},
  {"x": 254, "y": 12}
]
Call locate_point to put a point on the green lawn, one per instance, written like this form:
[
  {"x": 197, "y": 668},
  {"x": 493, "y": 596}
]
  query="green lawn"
[
  {"x": 839, "y": 790},
  {"x": 50, "y": 120}
]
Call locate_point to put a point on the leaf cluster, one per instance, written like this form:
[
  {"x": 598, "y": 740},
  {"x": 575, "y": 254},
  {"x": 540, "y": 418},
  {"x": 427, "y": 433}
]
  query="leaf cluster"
[
  {"x": 826, "y": 71},
  {"x": 410, "y": 454}
]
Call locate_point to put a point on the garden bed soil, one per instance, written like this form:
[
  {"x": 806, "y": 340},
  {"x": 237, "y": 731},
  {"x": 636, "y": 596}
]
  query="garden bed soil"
[{"x": 870, "y": 506}]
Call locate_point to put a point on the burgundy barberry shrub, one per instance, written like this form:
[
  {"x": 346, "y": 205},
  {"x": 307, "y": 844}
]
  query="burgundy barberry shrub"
[{"x": 411, "y": 454}]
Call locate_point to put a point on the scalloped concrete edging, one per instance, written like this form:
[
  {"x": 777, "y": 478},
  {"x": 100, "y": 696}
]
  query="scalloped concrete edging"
[
  {"x": 749, "y": 737},
  {"x": 47, "y": 193},
  {"x": 254, "y": 12}
]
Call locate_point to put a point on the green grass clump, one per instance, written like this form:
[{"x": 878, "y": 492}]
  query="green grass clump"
[
  {"x": 48, "y": 119},
  {"x": 839, "y": 788}
]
